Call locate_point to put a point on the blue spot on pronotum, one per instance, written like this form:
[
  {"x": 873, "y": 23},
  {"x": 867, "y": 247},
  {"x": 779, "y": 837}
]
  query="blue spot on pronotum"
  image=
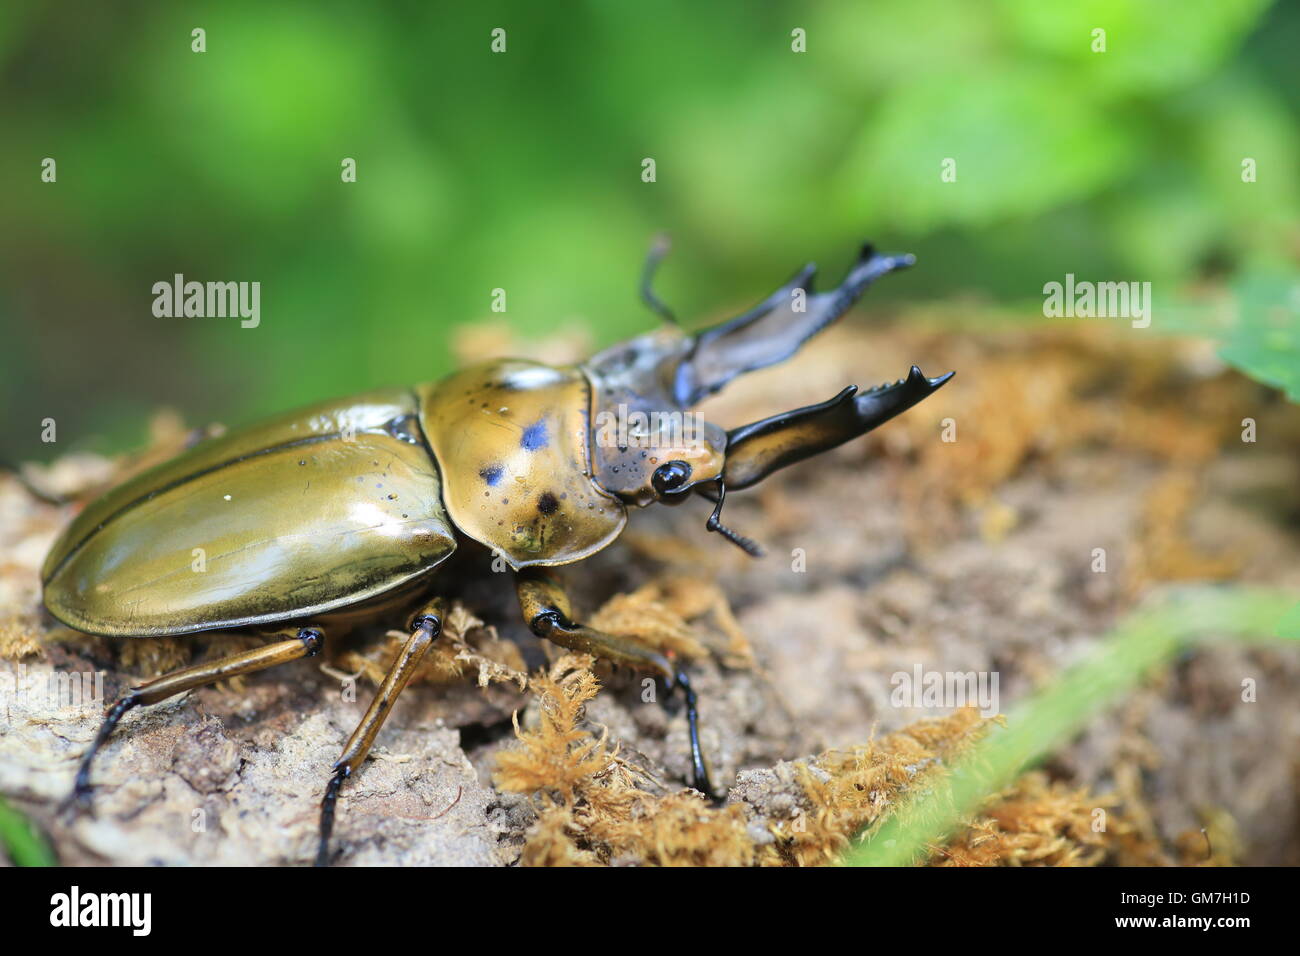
[
  {"x": 534, "y": 436},
  {"x": 491, "y": 474}
]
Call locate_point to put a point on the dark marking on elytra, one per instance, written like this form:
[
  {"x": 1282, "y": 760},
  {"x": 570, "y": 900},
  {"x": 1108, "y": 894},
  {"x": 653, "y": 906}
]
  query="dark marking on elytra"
[{"x": 547, "y": 503}]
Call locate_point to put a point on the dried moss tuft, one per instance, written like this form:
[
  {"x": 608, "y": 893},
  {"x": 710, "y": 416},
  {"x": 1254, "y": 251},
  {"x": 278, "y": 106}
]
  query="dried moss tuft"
[
  {"x": 593, "y": 808},
  {"x": 1037, "y": 823},
  {"x": 465, "y": 641},
  {"x": 678, "y": 615},
  {"x": 19, "y": 639}
]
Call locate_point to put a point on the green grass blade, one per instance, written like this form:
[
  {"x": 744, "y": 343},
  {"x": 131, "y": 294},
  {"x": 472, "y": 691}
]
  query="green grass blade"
[
  {"x": 1140, "y": 644},
  {"x": 23, "y": 842}
]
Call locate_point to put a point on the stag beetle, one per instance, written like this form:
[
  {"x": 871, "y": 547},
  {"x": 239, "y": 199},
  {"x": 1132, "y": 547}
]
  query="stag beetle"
[{"x": 343, "y": 510}]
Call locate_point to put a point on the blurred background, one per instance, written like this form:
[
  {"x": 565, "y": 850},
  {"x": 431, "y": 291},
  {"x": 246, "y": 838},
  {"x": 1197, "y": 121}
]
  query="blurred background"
[{"x": 523, "y": 171}]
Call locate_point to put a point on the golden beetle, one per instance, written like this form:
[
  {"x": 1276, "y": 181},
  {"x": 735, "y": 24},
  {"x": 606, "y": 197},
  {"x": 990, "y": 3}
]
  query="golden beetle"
[{"x": 343, "y": 510}]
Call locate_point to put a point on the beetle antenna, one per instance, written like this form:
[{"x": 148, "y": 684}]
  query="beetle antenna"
[
  {"x": 656, "y": 255},
  {"x": 714, "y": 523}
]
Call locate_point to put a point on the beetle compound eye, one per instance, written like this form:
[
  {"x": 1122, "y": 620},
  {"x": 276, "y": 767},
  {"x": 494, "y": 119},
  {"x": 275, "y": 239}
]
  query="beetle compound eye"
[{"x": 669, "y": 477}]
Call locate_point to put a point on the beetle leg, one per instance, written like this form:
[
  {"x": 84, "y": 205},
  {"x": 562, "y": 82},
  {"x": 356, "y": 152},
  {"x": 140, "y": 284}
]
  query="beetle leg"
[
  {"x": 425, "y": 626},
  {"x": 545, "y": 607},
  {"x": 307, "y": 642}
]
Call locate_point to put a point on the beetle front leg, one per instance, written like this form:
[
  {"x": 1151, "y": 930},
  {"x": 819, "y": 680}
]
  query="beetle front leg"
[
  {"x": 307, "y": 642},
  {"x": 425, "y": 626},
  {"x": 545, "y": 607}
]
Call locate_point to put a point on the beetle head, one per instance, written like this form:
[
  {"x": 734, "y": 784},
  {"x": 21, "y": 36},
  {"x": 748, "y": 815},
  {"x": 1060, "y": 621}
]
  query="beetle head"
[
  {"x": 646, "y": 449},
  {"x": 649, "y": 446}
]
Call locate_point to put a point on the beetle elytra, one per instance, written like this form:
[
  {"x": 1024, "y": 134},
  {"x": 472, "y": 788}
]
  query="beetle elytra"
[{"x": 344, "y": 510}]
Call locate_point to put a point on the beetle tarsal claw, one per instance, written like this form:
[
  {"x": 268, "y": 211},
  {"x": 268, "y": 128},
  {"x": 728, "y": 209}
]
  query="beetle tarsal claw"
[
  {"x": 701, "y": 780},
  {"x": 341, "y": 772}
]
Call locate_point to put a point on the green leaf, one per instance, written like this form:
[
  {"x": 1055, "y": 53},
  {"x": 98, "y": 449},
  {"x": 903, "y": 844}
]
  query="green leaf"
[
  {"x": 1021, "y": 140},
  {"x": 1150, "y": 46},
  {"x": 1264, "y": 342}
]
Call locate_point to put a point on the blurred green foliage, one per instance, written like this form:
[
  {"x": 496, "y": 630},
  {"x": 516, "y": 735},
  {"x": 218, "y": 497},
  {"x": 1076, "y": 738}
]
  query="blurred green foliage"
[
  {"x": 522, "y": 171},
  {"x": 22, "y": 842},
  {"x": 1264, "y": 338},
  {"x": 1289, "y": 626}
]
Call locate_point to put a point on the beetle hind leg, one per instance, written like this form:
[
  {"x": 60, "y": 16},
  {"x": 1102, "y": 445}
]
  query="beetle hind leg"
[
  {"x": 307, "y": 642},
  {"x": 425, "y": 626},
  {"x": 545, "y": 607}
]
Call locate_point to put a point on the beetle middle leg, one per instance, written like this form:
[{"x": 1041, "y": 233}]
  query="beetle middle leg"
[
  {"x": 425, "y": 626},
  {"x": 545, "y": 607},
  {"x": 307, "y": 642}
]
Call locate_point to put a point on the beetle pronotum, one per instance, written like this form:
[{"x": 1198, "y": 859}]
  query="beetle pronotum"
[{"x": 344, "y": 510}]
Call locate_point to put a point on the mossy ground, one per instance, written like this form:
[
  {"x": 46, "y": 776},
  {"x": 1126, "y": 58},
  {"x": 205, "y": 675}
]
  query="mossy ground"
[{"x": 977, "y": 554}]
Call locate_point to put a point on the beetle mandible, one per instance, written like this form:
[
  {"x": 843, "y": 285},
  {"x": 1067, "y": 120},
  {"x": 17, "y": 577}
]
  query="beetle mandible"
[{"x": 344, "y": 510}]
